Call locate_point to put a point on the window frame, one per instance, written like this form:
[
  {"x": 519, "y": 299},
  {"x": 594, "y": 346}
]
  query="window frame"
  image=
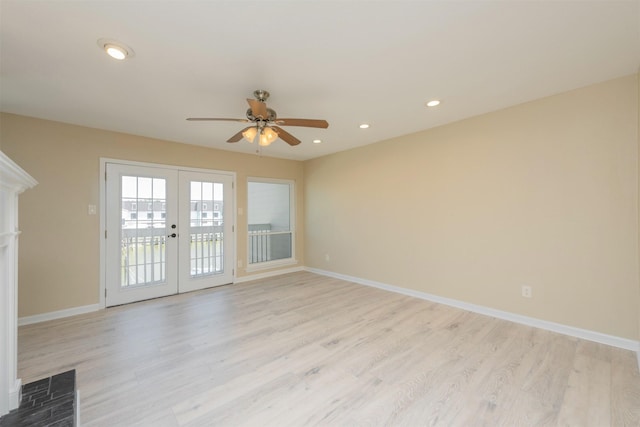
[{"x": 292, "y": 226}]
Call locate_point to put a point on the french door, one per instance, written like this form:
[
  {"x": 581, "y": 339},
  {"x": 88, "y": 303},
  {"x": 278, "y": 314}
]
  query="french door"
[{"x": 168, "y": 231}]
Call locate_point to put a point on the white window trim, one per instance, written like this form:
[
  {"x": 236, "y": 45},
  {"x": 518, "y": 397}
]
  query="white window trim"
[
  {"x": 271, "y": 264},
  {"x": 251, "y": 267}
]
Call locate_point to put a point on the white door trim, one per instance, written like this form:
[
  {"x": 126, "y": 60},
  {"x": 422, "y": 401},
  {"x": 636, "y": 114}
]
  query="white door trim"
[{"x": 103, "y": 211}]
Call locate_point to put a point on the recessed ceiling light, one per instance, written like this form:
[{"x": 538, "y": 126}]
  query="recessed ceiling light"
[
  {"x": 116, "y": 52},
  {"x": 317, "y": 141},
  {"x": 364, "y": 126},
  {"x": 116, "y": 49},
  {"x": 433, "y": 103}
]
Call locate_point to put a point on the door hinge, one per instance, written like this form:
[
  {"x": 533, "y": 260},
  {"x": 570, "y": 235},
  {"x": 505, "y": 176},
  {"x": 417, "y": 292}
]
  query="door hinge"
[
  {"x": 105, "y": 234},
  {"x": 105, "y": 175},
  {"x": 105, "y": 292},
  {"x": 233, "y": 228}
]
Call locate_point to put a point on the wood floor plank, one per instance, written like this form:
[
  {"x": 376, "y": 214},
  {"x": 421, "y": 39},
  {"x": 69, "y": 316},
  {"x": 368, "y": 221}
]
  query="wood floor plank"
[
  {"x": 625, "y": 390},
  {"x": 303, "y": 349},
  {"x": 587, "y": 398}
]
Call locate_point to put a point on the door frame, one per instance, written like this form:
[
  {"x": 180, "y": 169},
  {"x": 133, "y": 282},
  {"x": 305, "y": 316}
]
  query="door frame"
[{"x": 103, "y": 213}]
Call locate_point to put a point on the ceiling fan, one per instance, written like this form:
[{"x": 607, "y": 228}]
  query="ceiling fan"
[{"x": 265, "y": 123}]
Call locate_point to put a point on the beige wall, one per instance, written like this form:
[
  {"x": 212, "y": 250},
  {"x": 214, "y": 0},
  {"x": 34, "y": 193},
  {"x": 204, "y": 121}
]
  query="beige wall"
[
  {"x": 59, "y": 247},
  {"x": 543, "y": 194}
]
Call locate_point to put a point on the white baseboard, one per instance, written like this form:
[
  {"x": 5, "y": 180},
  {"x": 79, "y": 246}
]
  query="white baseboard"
[
  {"x": 77, "y": 403},
  {"x": 598, "y": 337},
  {"x": 268, "y": 274},
  {"x": 15, "y": 394},
  {"x": 28, "y": 320}
]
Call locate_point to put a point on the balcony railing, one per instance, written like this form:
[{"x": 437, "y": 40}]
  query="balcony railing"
[
  {"x": 265, "y": 244},
  {"x": 207, "y": 250},
  {"x": 143, "y": 253},
  {"x": 259, "y": 243}
]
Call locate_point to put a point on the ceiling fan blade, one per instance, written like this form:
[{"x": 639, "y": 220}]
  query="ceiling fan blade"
[
  {"x": 215, "y": 119},
  {"x": 258, "y": 109},
  {"x": 309, "y": 123},
  {"x": 238, "y": 136},
  {"x": 286, "y": 136}
]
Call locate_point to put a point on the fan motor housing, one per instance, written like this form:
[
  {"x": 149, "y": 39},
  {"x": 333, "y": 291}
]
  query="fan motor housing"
[{"x": 271, "y": 116}]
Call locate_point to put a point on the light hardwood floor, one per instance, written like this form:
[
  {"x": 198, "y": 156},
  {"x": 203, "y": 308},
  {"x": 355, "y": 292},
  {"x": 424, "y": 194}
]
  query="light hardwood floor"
[{"x": 303, "y": 349}]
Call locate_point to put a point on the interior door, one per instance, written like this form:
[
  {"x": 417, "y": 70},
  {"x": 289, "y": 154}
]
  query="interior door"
[
  {"x": 168, "y": 231},
  {"x": 141, "y": 235},
  {"x": 206, "y": 230}
]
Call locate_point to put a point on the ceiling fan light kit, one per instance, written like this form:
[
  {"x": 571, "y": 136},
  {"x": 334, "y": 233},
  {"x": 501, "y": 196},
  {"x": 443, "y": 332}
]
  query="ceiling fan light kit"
[
  {"x": 267, "y": 136},
  {"x": 265, "y": 123},
  {"x": 250, "y": 134}
]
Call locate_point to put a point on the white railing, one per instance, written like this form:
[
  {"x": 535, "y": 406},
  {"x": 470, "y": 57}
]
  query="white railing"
[
  {"x": 268, "y": 245},
  {"x": 207, "y": 250},
  {"x": 143, "y": 253},
  {"x": 259, "y": 243}
]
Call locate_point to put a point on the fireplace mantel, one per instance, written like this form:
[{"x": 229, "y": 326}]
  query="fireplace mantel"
[{"x": 13, "y": 181}]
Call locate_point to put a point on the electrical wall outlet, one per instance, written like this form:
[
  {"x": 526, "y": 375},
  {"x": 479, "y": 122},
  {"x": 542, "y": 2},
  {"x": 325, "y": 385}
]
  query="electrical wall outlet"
[
  {"x": 526, "y": 291},
  {"x": 327, "y": 258}
]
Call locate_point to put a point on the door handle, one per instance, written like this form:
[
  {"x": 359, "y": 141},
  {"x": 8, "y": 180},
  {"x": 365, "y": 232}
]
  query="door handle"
[{"x": 172, "y": 235}]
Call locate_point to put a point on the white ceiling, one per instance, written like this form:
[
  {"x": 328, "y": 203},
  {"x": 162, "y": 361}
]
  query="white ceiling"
[{"x": 348, "y": 62}]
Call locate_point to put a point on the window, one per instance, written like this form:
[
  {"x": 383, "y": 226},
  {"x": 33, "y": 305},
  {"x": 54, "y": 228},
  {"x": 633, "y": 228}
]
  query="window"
[{"x": 271, "y": 215}]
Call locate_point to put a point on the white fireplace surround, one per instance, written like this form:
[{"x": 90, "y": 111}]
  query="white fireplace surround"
[{"x": 13, "y": 181}]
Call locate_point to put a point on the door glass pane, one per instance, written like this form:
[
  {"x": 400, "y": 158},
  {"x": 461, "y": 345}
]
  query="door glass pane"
[
  {"x": 143, "y": 231},
  {"x": 206, "y": 228},
  {"x": 269, "y": 216}
]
